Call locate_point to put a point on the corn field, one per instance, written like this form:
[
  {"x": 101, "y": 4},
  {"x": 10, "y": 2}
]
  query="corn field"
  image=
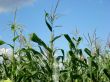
[{"x": 28, "y": 64}]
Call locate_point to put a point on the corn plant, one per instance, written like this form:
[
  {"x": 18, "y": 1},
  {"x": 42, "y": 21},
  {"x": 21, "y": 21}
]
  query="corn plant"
[{"x": 28, "y": 64}]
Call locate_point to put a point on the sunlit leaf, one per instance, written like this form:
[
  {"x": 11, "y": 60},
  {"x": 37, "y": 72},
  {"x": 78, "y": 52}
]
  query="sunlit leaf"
[
  {"x": 15, "y": 38},
  {"x": 55, "y": 38}
]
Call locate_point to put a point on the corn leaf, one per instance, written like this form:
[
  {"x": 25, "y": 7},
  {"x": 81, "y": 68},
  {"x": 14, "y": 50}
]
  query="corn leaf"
[
  {"x": 47, "y": 23},
  {"x": 69, "y": 40},
  {"x": 107, "y": 73},
  {"x": 88, "y": 52},
  {"x": 55, "y": 38},
  {"x": 36, "y": 39},
  {"x": 15, "y": 38},
  {"x": 2, "y": 42}
]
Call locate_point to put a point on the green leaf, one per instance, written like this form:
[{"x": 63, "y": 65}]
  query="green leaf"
[
  {"x": 36, "y": 39},
  {"x": 34, "y": 51},
  {"x": 80, "y": 51},
  {"x": 5, "y": 69},
  {"x": 95, "y": 65},
  {"x": 71, "y": 54},
  {"x": 41, "y": 50},
  {"x": 69, "y": 40},
  {"x": 47, "y": 23},
  {"x": 2, "y": 42},
  {"x": 79, "y": 39},
  {"x": 28, "y": 54},
  {"x": 20, "y": 78},
  {"x": 38, "y": 54},
  {"x": 63, "y": 71},
  {"x": 58, "y": 58},
  {"x": 50, "y": 71},
  {"x": 76, "y": 76},
  {"x": 15, "y": 38},
  {"x": 88, "y": 52},
  {"x": 74, "y": 39},
  {"x": 63, "y": 54},
  {"x": 92, "y": 76},
  {"x": 11, "y": 46},
  {"x": 60, "y": 50},
  {"x": 82, "y": 62},
  {"x": 107, "y": 73},
  {"x": 55, "y": 38},
  {"x": 13, "y": 27}
]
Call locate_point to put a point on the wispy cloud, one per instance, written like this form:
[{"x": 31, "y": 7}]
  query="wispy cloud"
[{"x": 9, "y": 5}]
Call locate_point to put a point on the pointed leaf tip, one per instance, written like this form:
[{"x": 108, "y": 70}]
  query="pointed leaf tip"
[{"x": 2, "y": 42}]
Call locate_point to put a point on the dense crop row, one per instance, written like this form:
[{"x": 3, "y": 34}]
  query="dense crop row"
[{"x": 27, "y": 64}]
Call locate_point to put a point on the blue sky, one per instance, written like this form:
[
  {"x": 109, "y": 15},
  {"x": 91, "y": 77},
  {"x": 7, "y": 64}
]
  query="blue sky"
[{"x": 85, "y": 15}]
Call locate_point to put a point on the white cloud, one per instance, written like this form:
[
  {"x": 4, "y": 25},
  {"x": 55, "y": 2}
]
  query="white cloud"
[
  {"x": 6, "y": 51},
  {"x": 9, "y": 5}
]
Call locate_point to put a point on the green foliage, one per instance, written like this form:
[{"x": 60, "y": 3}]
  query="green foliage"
[
  {"x": 28, "y": 64},
  {"x": 2, "y": 42}
]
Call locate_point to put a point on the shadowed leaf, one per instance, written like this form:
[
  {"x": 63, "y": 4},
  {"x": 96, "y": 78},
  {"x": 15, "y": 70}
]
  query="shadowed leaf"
[
  {"x": 2, "y": 42},
  {"x": 47, "y": 23}
]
